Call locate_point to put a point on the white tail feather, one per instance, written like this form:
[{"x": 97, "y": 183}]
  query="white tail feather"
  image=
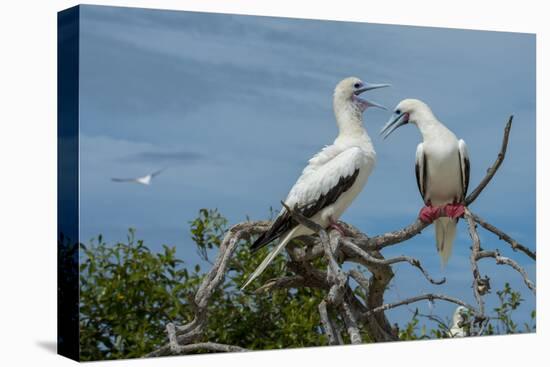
[
  {"x": 269, "y": 258},
  {"x": 445, "y": 232}
]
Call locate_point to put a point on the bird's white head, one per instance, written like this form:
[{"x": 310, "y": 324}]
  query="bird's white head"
[
  {"x": 460, "y": 315},
  {"x": 409, "y": 110},
  {"x": 347, "y": 91},
  {"x": 347, "y": 103}
]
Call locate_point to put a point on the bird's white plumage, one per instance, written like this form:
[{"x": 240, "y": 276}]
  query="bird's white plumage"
[
  {"x": 351, "y": 151},
  {"x": 457, "y": 329},
  {"x": 143, "y": 180},
  {"x": 323, "y": 173},
  {"x": 442, "y": 168}
]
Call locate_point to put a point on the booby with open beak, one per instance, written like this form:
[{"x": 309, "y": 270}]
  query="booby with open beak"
[
  {"x": 334, "y": 176},
  {"x": 442, "y": 170}
]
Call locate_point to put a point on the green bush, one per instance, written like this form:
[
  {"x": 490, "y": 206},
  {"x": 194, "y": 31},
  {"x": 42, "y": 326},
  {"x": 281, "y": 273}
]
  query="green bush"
[{"x": 128, "y": 294}]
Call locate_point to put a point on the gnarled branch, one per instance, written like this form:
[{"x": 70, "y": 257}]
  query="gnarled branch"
[
  {"x": 341, "y": 298},
  {"x": 371, "y": 259},
  {"x": 502, "y": 260},
  {"x": 494, "y": 168},
  {"x": 429, "y": 296},
  {"x": 503, "y": 236},
  {"x": 334, "y": 338}
]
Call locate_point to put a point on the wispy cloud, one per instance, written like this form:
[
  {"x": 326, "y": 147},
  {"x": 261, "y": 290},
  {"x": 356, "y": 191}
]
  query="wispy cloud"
[{"x": 164, "y": 157}]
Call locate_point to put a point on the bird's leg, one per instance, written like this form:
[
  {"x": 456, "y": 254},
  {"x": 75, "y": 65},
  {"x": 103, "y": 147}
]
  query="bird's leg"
[
  {"x": 429, "y": 213},
  {"x": 334, "y": 225},
  {"x": 454, "y": 210}
]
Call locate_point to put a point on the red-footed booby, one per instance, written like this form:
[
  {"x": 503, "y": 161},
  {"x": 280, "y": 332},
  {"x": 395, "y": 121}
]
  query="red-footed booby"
[
  {"x": 334, "y": 176},
  {"x": 442, "y": 170}
]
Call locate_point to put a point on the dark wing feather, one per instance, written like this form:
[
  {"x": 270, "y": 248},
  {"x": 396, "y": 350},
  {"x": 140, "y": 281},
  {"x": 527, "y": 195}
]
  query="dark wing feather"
[
  {"x": 343, "y": 185},
  {"x": 466, "y": 175},
  {"x": 284, "y": 221},
  {"x": 421, "y": 171},
  {"x": 417, "y": 172},
  {"x": 464, "y": 159}
]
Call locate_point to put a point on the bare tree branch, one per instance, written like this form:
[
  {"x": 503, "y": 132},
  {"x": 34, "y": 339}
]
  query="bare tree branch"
[
  {"x": 197, "y": 347},
  {"x": 479, "y": 286},
  {"x": 502, "y": 260},
  {"x": 332, "y": 334},
  {"x": 370, "y": 259},
  {"x": 429, "y": 296},
  {"x": 350, "y": 320},
  {"x": 289, "y": 282},
  {"x": 503, "y": 236},
  {"x": 493, "y": 169},
  {"x": 360, "y": 279},
  {"x": 377, "y": 243},
  {"x": 193, "y": 330},
  {"x": 335, "y": 274}
]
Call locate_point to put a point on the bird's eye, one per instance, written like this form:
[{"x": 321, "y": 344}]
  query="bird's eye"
[
  {"x": 398, "y": 112},
  {"x": 357, "y": 85}
]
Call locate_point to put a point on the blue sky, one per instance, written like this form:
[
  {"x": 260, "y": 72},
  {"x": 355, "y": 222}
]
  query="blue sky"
[{"x": 236, "y": 105}]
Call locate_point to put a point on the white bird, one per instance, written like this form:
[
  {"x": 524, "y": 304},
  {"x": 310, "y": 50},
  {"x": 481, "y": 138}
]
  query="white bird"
[
  {"x": 144, "y": 180},
  {"x": 442, "y": 170},
  {"x": 333, "y": 177},
  {"x": 460, "y": 317}
]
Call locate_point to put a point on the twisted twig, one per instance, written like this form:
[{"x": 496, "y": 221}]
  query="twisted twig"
[
  {"x": 503, "y": 236},
  {"x": 371, "y": 259},
  {"x": 502, "y": 260},
  {"x": 429, "y": 296}
]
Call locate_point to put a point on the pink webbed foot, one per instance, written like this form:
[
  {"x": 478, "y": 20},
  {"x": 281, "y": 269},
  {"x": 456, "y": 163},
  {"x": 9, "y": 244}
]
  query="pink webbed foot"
[
  {"x": 429, "y": 213},
  {"x": 454, "y": 210},
  {"x": 337, "y": 227}
]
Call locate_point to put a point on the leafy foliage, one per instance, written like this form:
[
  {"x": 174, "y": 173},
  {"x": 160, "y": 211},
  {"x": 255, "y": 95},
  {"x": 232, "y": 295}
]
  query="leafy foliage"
[
  {"x": 67, "y": 297},
  {"x": 503, "y": 323},
  {"x": 128, "y": 294},
  {"x": 280, "y": 319}
]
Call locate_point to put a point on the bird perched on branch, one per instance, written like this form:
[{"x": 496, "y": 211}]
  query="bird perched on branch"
[
  {"x": 460, "y": 318},
  {"x": 333, "y": 177},
  {"x": 442, "y": 170}
]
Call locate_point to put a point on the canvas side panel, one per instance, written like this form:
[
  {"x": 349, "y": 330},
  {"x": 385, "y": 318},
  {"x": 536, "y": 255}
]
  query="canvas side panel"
[{"x": 67, "y": 182}]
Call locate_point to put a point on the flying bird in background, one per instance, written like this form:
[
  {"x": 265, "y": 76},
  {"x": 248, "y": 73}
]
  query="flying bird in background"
[
  {"x": 442, "y": 170},
  {"x": 333, "y": 177},
  {"x": 144, "y": 180}
]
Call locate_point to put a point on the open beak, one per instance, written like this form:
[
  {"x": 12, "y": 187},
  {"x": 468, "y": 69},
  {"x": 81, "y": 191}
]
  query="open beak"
[
  {"x": 374, "y": 104},
  {"x": 370, "y": 86},
  {"x": 367, "y": 87},
  {"x": 393, "y": 124}
]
